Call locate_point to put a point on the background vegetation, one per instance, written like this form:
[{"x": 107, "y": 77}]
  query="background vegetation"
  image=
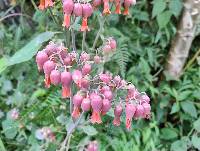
[{"x": 144, "y": 40}]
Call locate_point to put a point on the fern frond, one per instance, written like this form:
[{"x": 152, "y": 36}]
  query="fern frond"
[{"x": 122, "y": 56}]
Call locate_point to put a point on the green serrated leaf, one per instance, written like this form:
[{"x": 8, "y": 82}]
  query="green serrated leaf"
[
  {"x": 179, "y": 146},
  {"x": 188, "y": 107},
  {"x": 163, "y": 19},
  {"x": 175, "y": 7},
  {"x": 197, "y": 125},
  {"x": 196, "y": 141},
  {"x": 168, "y": 133},
  {"x": 9, "y": 128},
  {"x": 158, "y": 7},
  {"x": 89, "y": 130},
  {"x": 175, "y": 108}
]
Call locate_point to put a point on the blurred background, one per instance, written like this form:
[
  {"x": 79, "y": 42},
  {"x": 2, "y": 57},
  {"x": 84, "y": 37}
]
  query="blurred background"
[{"x": 158, "y": 51}]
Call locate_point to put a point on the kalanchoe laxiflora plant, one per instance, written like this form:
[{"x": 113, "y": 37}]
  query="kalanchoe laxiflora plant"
[
  {"x": 96, "y": 92},
  {"x": 84, "y": 82}
]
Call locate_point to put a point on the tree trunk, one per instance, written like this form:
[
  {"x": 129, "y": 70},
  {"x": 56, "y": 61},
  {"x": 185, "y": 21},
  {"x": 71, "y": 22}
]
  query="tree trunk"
[{"x": 181, "y": 44}]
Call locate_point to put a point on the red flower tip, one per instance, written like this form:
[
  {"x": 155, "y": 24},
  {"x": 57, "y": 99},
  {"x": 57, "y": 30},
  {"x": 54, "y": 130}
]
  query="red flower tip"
[
  {"x": 128, "y": 123},
  {"x": 48, "y": 3},
  {"x": 42, "y": 5},
  {"x": 118, "y": 9},
  {"x": 116, "y": 121},
  {"x": 45, "y": 3},
  {"x": 126, "y": 11},
  {"x": 106, "y": 10},
  {"x": 76, "y": 112},
  {"x": 66, "y": 22},
  {"x": 47, "y": 81},
  {"x": 84, "y": 26},
  {"x": 66, "y": 92},
  {"x": 96, "y": 118}
]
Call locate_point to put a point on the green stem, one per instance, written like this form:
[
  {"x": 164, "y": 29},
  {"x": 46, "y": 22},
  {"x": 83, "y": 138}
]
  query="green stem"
[
  {"x": 101, "y": 24},
  {"x": 53, "y": 17},
  {"x": 69, "y": 133},
  {"x": 192, "y": 60},
  {"x": 83, "y": 40},
  {"x": 73, "y": 36}
]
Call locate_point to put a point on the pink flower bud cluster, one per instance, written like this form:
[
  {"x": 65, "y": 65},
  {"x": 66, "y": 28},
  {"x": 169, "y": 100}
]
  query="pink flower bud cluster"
[
  {"x": 92, "y": 146},
  {"x": 109, "y": 46},
  {"x": 96, "y": 92},
  {"x": 45, "y": 133},
  {"x": 85, "y": 10},
  {"x": 77, "y": 9},
  {"x": 14, "y": 114}
]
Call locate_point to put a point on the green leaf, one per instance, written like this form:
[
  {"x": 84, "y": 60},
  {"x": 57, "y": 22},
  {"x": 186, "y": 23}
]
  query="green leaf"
[
  {"x": 27, "y": 52},
  {"x": 168, "y": 133},
  {"x": 175, "y": 7},
  {"x": 3, "y": 64},
  {"x": 196, "y": 141},
  {"x": 179, "y": 146},
  {"x": 163, "y": 19},
  {"x": 197, "y": 125},
  {"x": 188, "y": 107},
  {"x": 9, "y": 128},
  {"x": 2, "y": 147},
  {"x": 175, "y": 108},
  {"x": 89, "y": 130},
  {"x": 158, "y": 7}
]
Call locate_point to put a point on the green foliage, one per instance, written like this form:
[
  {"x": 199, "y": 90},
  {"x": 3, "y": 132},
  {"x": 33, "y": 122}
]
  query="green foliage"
[
  {"x": 144, "y": 39},
  {"x": 27, "y": 52}
]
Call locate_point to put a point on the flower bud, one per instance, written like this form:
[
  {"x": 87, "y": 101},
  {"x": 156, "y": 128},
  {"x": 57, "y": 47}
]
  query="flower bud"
[
  {"x": 108, "y": 94},
  {"x": 41, "y": 58},
  {"x": 51, "y": 48},
  {"x": 68, "y": 61},
  {"x": 96, "y": 3},
  {"x": 86, "y": 69},
  {"x": 84, "y": 57},
  {"x": 77, "y": 9},
  {"x": 66, "y": 80},
  {"x": 130, "y": 111},
  {"x": 117, "y": 112},
  {"x": 105, "y": 78},
  {"x": 139, "y": 111},
  {"x": 55, "y": 77},
  {"x": 96, "y": 103},
  {"x": 85, "y": 105},
  {"x": 113, "y": 43},
  {"x": 107, "y": 49},
  {"x": 106, "y": 106},
  {"x": 97, "y": 59}
]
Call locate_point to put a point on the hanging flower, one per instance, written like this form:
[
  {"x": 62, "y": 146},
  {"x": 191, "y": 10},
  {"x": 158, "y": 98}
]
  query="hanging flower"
[
  {"x": 45, "y": 3},
  {"x": 68, "y": 6},
  {"x": 87, "y": 12}
]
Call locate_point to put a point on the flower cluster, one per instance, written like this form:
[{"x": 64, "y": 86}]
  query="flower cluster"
[
  {"x": 85, "y": 9},
  {"x": 14, "y": 114},
  {"x": 92, "y": 146},
  {"x": 45, "y": 133},
  {"x": 95, "y": 92}
]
